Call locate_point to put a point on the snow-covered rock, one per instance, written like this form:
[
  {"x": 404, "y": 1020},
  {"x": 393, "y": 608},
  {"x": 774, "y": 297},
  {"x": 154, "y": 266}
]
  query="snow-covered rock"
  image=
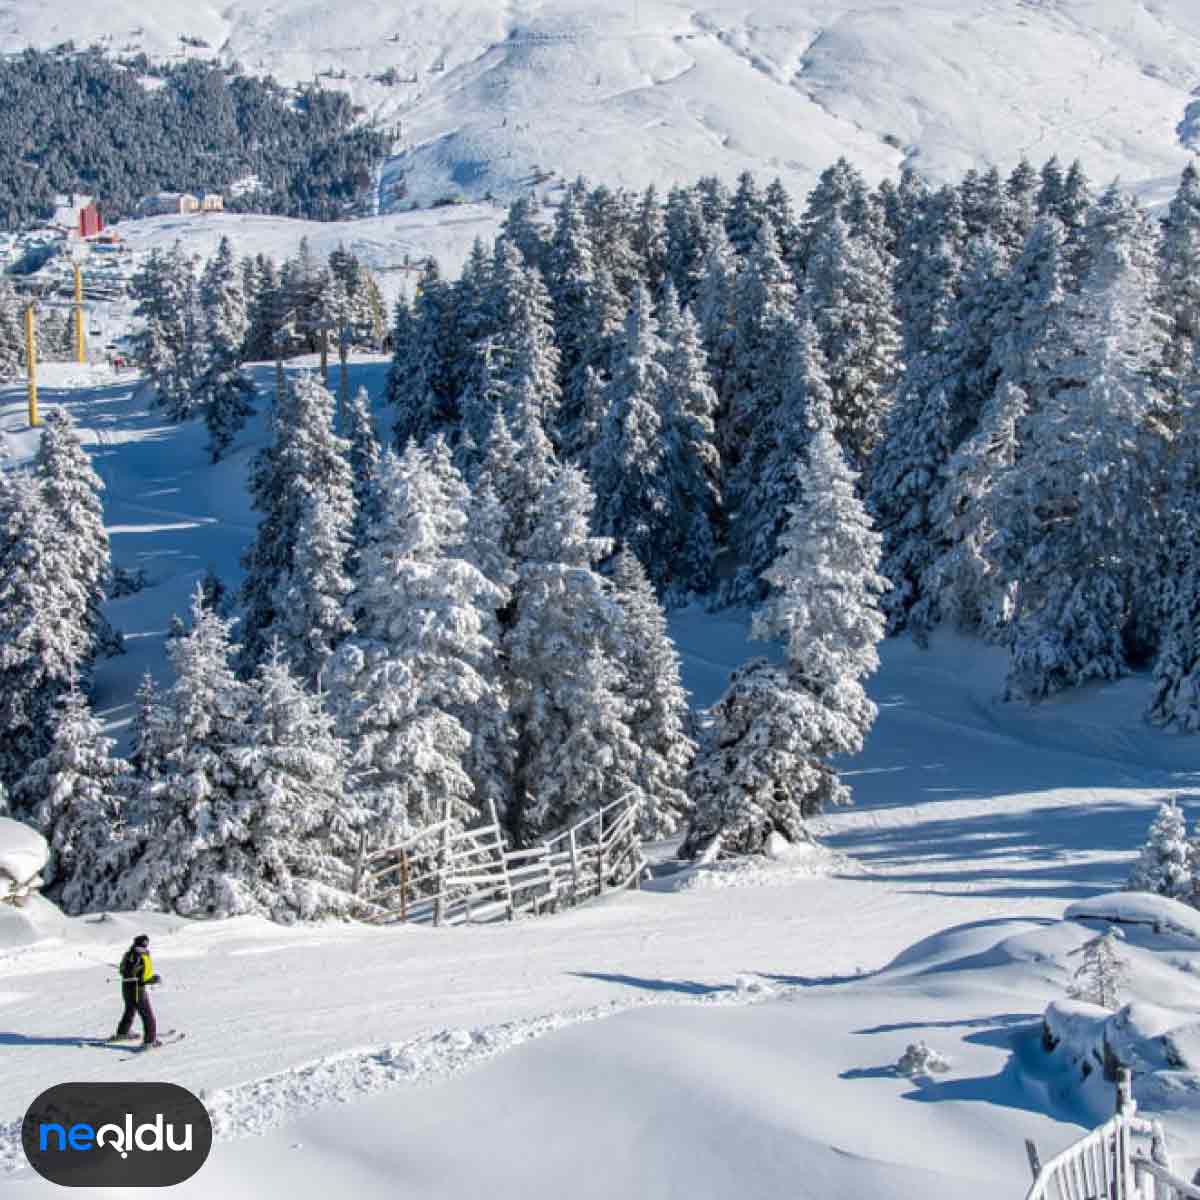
[
  {"x": 23, "y": 854},
  {"x": 1138, "y": 908},
  {"x": 919, "y": 1058}
]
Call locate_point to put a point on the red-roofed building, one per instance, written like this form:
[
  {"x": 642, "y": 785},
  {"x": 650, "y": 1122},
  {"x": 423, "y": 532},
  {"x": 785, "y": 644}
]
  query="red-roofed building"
[{"x": 77, "y": 216}]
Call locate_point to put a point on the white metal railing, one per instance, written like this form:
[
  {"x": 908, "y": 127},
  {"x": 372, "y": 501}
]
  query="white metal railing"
[{"x": 1107, "y": 1165}]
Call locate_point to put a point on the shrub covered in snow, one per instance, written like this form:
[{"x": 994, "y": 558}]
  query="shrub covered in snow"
[
  {"x": 23, "y": 854},
  {"x": 1166, "y": 862},
  {"x": 1101, "y": 974}
]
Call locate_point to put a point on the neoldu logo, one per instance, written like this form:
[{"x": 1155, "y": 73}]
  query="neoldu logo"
[{"x": 117, "y": 1134}]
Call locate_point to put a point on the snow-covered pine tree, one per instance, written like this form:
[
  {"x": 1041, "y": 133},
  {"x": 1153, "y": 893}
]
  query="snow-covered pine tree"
[
  {"x": 364, "y": 454},
  {"x": 527, "y": 358},
  {"x": 984, "y": 203},
  {"x": 1167, "y": 858},
  {"x": 169, "y": 348},
  {"x": 764, "y": 766},
  {"x": 12, "y": 334},
  {"x": 419, "y": 378},
  {"x": 1020, "y": 190},
  {"x": 611, "y": 219},
  {"x": 311, "y": 603},
  {"x": 764, "y": 299},
  {"x": 777, "y": 208},
  {"x": 746, "y": 215},
  {"x": 691, "y": 461},
  {"x": 1030, "y": 333},
  {"x": 714, "y": 200},
  {"x": 588, "y": 312},
  {"x": 422, "y": 664},
  {"x": 714, "y": 309},
  {"x": 961, "y": 583},
  {"x": 305, "y": 457},
  {"x": 841, "y": 191},
  {"x": 574, "y": 750},
  {"x": 147, "y": 731},
  {"x": 174, "y": 857},
  {"x": 628, "y": 464},
  {"x": 524, "y": 231},
  {"x": 71, "y": 492},
  {"x": 1175, "y": 701},
  {"x": 777, "y": 447},
  {"x": 474, "y": 322},
  {"x": 73, "y": 796},
  {"x": 225, "y": 390},
  {"x": 848, "y": 291},
  {"x": 687, "y": 243},
  {"x": 1080, "y": 521},
  {"x": 45, "y": 636},
  {"x": 659, "y": 717},
  {"x": 517, "y": 466},
  {"x": 917, "y": 443},
  {"x": 648, "y": 240},
  {"x": 1179, "y": 283},
  {"x": 290, "y": 852},
  {"x": 263, "y": 314}
]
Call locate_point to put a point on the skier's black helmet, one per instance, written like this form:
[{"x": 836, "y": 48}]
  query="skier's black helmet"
[{"x": 142, "y": 939}]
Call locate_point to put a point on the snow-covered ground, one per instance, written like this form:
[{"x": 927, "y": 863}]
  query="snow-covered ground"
[
  {"x": 391, "y": 246},
  {"x": 749, "y": 1033}
]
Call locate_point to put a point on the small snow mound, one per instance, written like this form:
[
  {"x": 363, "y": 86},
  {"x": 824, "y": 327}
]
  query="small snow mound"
[
  {"x": 23, "y": 854},
  {"x": 784, "y": 862},
  {"x": 921, "y": 1059},
  {"x": 752, "y": 985},
  {"x": 1161, "y": 913}
]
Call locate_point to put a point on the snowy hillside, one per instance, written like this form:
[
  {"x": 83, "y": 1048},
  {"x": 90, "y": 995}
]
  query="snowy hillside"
[{"x": 492, "y": 98}]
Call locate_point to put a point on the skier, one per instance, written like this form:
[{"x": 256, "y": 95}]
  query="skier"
[{"x": 137, "y": 974}]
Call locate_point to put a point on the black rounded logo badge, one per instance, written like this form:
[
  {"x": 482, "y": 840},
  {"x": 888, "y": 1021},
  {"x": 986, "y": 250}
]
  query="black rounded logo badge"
[{"x": 116, "y": 1134}]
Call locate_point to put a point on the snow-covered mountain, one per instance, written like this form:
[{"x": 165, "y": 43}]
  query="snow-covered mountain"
[{"x": 490, "y": 98}]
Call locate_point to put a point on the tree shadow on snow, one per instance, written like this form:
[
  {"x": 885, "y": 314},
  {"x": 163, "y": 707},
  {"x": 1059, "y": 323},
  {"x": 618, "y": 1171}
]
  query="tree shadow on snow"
[
  {"x": 1039, "y": 850},
  {"x": 994, "y": 1036},
  {"x": 1016, "y": 1032},
  {"x": 688, "y": 987}
]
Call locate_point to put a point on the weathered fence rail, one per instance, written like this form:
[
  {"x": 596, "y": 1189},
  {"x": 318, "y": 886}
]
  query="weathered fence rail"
[
  {"x": 1110, "y": 1164},
  {"x": 447, "y": 876}
]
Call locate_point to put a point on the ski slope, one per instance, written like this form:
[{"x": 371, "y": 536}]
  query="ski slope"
[
  {"x": 661, "y": 91},
  {"x": 699, "y": 1041}
]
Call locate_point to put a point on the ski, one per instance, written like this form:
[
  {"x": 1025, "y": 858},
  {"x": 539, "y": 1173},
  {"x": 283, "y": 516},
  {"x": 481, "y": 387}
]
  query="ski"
[{"x": 168, "y": 1038}]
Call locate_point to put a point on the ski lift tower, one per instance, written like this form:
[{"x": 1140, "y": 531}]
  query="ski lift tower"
[
  {"x": 31, "y": 308},
  {"x": 78, "y": 253}
]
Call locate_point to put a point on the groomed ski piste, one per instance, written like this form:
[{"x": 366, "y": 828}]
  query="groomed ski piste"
[{"x": 723, "y": 1032}]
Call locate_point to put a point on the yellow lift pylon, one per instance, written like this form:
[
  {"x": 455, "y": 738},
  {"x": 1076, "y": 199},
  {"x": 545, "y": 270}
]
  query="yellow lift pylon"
[
  {"x": 80, "y": 344},
  {"x": 31, "y": 360}
]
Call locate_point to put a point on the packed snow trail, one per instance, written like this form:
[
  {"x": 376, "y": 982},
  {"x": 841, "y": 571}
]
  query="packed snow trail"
[{"x": 970, "y": 813}]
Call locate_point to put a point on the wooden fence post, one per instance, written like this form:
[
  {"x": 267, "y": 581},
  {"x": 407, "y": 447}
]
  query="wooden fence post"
[
  {"x": 404, "y": 885},
  {"x": 1035, "y": 1162},
  {"x": 360, "y": 865},
  {"x": 439, "y": 905},
  {"x": 574, "y": 867},
  {"x": 502, "y": 859},
  {"x": 600, "y": 852},
  {"x": 1126, "y": 1105}
]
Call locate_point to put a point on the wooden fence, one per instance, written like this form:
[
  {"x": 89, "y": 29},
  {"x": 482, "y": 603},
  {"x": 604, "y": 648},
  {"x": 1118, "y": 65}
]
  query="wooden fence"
[
  {"x": 448, "y": 876},
  {"x": 1112, "y": 1162}
]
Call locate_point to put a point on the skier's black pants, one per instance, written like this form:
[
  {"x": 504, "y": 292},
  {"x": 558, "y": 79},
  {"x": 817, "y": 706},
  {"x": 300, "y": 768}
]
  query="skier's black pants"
[{"x": 137, "y": 1000}]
